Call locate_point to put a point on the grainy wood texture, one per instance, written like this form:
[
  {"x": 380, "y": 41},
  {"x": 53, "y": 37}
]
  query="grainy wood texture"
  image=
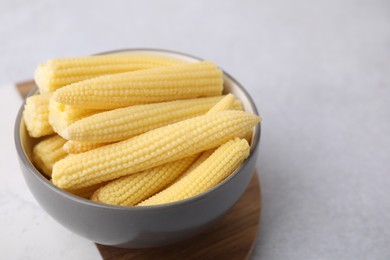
[
  {"x": 232, "y": 237},
  {"x": 25, "y": 87}
]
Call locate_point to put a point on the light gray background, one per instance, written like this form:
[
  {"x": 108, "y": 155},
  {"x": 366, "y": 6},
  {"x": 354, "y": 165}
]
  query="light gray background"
[{"x": 319, "y": 72}]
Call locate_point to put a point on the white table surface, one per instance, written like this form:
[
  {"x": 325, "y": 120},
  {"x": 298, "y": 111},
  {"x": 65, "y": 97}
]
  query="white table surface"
[{"x": 319, "y": 72}]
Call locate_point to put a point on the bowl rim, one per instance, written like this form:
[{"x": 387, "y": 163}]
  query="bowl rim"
[{"x": 39, "y": 176}]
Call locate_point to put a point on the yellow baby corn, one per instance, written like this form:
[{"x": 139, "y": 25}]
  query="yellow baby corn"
[
  {"x": 47, "y": 152},
  {"x": 80, "y": 147},
  {"x": 225, "y": 104},
  {"x": 56, "y": 73},
  {"x": 132, "y": 189},
  {"x": 153, "y": 148},
  {"x": 192, "y": 80},
  {"x": 36, "y": 116},
  {"x": 207, "y": 175},
  {"x": 61, "y": 116},
  {"x": 123, "y": 123}
]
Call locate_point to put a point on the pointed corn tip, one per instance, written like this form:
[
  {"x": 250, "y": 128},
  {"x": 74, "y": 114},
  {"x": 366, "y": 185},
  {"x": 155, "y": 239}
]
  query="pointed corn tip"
[{"x": 256, "y": 118}]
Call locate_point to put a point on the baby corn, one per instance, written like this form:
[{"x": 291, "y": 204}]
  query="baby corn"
[
  {"x": 207, "y": 175},
  {"x": 56, "y": 73},
  {"x": 226, "y": 103},
  {"x": 132, "y": 189},
  {"x": 193, "y": 80},
  {"x": 47, "y": 152},
  {"x": 123, "y": 123},
  {"x": 36, "y": 116},
  {"x": 153, "y": 148}
]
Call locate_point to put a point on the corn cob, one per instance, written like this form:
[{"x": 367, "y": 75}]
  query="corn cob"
[
  {"x": 229, "y": 103},
  {"x": 80, "y": 147},
  {"x": 144, "y": 86},
  {"x": 47, "y": 152},
  {"x": 123, "y": 123},
  {"x": 153, "y": 148},
  {"x": 225, "y": 104},
  {"x": 56, "y": 73},
  {"x": 207, "y": 175},
  {"x": 61, "y": 116},
  {"x": 36, "y": 116},
  {"x": 132, "y": 189}
]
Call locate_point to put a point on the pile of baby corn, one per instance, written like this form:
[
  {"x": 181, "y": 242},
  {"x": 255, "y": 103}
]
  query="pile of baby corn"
[{"x": 135, "y": 129}]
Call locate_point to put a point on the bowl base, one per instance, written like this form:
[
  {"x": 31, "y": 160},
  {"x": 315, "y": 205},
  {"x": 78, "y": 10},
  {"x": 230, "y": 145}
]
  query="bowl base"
[{"x": 232, "y": 237}]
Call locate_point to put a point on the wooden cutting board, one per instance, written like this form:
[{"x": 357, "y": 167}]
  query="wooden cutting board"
[{"x": 232, "y": 237}]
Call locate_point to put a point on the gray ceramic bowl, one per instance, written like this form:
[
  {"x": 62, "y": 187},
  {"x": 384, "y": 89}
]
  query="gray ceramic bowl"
[{"x": 138, "y": 227}]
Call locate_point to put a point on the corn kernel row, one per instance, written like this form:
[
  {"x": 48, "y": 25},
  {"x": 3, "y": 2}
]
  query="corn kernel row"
[
  {"x": 56, "y": 73},
  {"x": 47, "y": 152},
  {"x": 36, "y": 116}
]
